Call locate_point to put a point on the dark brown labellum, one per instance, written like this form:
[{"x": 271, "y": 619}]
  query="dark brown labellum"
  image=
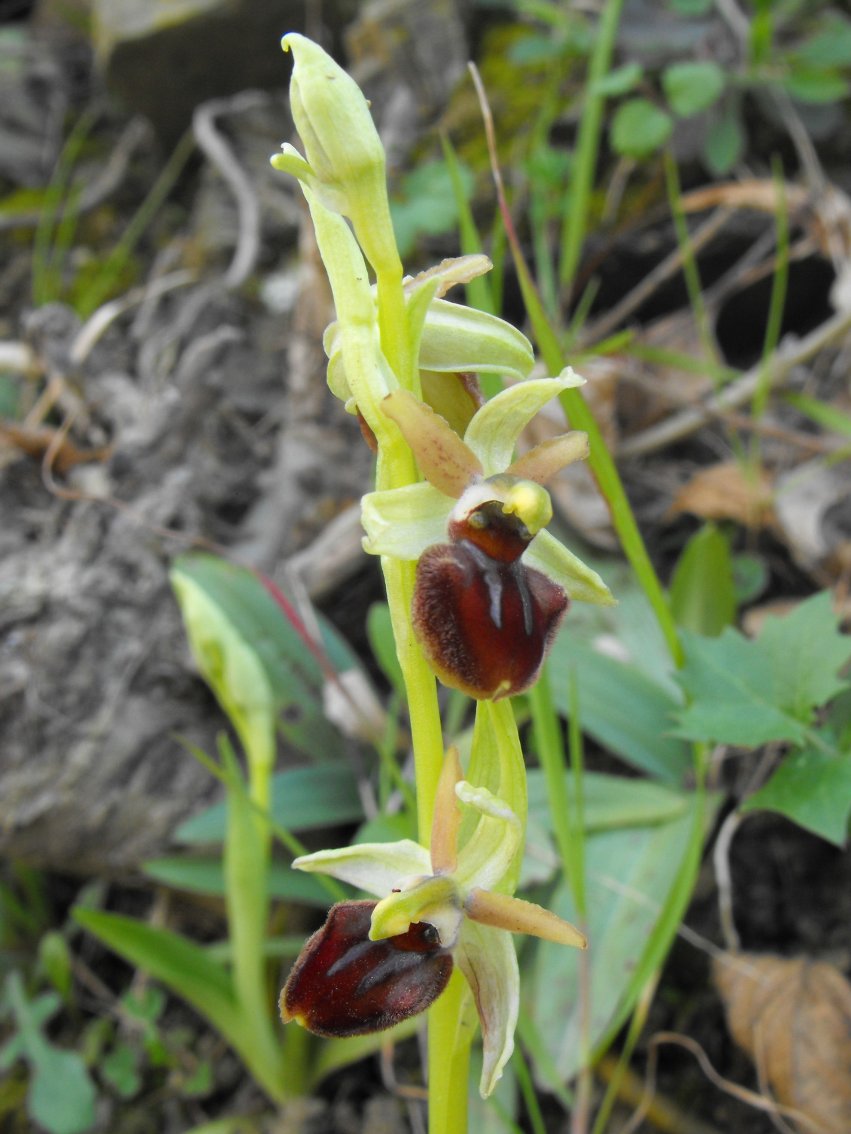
[
  {"x": 343, "y": 984},
  {"x": 485, "y": 624}
]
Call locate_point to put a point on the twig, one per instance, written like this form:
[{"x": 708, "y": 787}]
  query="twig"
[
  {"x": 724, "y": 880},
  {"x": 220, "y": 154},
  {"x": 750, "y": 1098},
  {"x": 672, "y": 262},
  {"x": 100, "y": 320},
  {"x": 739, "y": 392}
]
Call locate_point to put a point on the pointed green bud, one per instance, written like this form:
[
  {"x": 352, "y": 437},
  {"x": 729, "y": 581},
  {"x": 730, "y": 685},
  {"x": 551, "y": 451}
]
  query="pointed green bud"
[{"x": 343, "y": 150}]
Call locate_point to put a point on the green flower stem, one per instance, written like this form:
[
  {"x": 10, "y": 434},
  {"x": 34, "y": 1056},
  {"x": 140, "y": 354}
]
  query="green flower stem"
[
  {"x": 448, "y": 1051},
  {"x": 393, "y": 328},
  {"x": 423, "y": 708},
  {"x": 448, "y": 1061}
]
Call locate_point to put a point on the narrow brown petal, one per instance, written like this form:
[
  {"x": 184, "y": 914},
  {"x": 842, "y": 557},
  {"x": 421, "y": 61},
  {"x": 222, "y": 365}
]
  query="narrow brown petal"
[
  {"x": 543, "y": 462},
  {"x": 343, "y": 984},
  {"x": 519, "y": 916}
]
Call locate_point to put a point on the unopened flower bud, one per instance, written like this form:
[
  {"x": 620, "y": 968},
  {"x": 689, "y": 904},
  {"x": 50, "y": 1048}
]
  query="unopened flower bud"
[{"x": 342, "y": 147}]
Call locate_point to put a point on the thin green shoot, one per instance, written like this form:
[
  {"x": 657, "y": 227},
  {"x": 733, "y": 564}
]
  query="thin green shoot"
[
  {"x": 820, "y": 412},
  {"x": 633, "y": 1034},
  {"x": 118, "y": 258},
  {"x": 691, "y": 273},
  {"x": 543, "y": 1060},
  {"x": 776, "y": 305},
  {"x": 528, "y": 1091},
  {"x": 661, "y": 356},
  {"x": 581, "y": 311},
  {"x": 57, "y": 223},
  {"x": 564, "y": 811},
  {"x": 588, "y": 145},
  {"x": 287, "y": 839}
]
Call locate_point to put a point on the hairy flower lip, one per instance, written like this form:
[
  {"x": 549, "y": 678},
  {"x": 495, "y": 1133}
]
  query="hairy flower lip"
[{"x": 345, "y": 984}]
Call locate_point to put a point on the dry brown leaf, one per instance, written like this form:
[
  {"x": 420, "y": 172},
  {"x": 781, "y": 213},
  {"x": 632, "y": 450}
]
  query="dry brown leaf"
[
  {"x": 727, "y": 492},
  {"x": 793, "y": 1018}
]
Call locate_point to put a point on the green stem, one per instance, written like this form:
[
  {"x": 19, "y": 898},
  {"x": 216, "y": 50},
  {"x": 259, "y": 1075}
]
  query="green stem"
[
  {"x": 448, "y": 1062},
  {"x": 588, "y": 144}
]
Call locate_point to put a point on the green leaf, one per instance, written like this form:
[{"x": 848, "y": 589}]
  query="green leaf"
[
  {"x": 692, "y": 7},
  {"x": 623, "y": 708},
  {"x": 813, "y": 789},
  {"x": 829, "y": 47},
  {"x": 816, "y": 86},
  {"x": 747, "y": 693},
  {"x": 703, "y": 596},
  {"x": 55, "y": 959},
  {"x": 639, "y": 128},
  {"x": 185, "y": 968},
  {"x": 257, "y": 659},
  {"x": 61, "y": 1097},
  {"x": 638, "y": 883},
  {"x": 206, "y": 876},
  {"x": 619, "y": 81},
  {"x": 303, "y": 799},
  {"x": 692, "y": 87},
  {"x": 725, "y": 143},
  {"x": 611, "y": 801},
  {"x": 118, "y": 1067}
]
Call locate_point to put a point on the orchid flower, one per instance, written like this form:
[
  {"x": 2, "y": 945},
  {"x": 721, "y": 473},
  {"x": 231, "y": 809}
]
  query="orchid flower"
[
  {"x": 435, "y": 906},
  {"x": 484, "y": 618}
]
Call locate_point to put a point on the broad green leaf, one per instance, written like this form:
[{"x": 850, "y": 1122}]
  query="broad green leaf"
[
  {"x": 119, "y": 1068},
  {"x": 749, "y": 692},
  {"x": 692, "y": 86},
  {"x": 256, "y": 659},
  {"x": 703, "y": 597},
  {"x": 639, "y": 128},
  {"x": 61, "y": 1097},
  {"x": 816, "y": 85},
  {"x": 612, "y": 801},
  {"x": 168, "y": 957},
  {"x": 638, "y": 882},
  {"x": 303, "y": 799},
  {"x": 206, "y": 876},
  {"x": 813, "y": 789},
  {"x": 625, "y": 710},
  {"x": 829, "y": 47}
]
